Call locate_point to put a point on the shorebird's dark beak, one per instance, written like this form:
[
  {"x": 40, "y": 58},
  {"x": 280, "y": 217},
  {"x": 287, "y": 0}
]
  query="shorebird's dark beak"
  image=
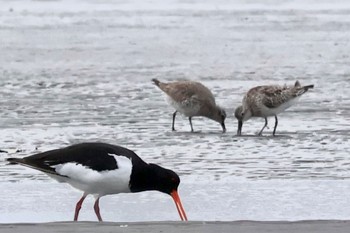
[
  {"x": 223, "y": 127},
  {"x": 178, "y": 204},
  {"x": 239, "y": 130}
]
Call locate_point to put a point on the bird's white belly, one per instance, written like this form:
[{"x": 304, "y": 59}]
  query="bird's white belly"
[
  {"x": 186, "y": 107},
  {"x": 275, "y": 111},
  {"x": 97, "y": 182}
]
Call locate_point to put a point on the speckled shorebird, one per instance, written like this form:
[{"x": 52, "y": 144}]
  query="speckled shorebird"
[
  {"x": 192, "y": 99},
  {"x": 103, "y": 169},
  {"x": 265, "y": 101}
]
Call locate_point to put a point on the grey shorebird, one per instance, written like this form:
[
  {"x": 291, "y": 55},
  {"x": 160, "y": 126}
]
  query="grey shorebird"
[
  {"x": 265, "y": 101},
  {"x": 192, "y": 99}
]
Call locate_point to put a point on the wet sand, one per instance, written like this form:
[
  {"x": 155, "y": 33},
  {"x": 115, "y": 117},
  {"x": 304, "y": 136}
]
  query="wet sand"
[{"x": 177, "y": 227}]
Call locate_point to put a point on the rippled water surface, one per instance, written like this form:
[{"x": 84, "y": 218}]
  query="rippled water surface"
[{"x": 75, "y": 71}]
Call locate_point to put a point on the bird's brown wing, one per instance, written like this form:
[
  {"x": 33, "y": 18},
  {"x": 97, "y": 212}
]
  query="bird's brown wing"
[{"x": 185, "y": 90}]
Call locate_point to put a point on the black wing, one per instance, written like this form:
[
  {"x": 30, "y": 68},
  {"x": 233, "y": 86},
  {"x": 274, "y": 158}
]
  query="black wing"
[{"x": 97, "y": 156}]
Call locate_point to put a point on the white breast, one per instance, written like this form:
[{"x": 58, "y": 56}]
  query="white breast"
[
  {"x": 188, "y": 107},
  {"x": 97, "y": 182},
  {"x": 274, "y": 111}
]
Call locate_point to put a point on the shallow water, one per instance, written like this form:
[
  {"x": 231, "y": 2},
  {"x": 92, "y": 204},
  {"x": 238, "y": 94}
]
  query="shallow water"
[{"x": 74, "y": 71}]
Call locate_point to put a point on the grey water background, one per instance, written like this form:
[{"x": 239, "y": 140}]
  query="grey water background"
[{"x": 75, "y": 71}]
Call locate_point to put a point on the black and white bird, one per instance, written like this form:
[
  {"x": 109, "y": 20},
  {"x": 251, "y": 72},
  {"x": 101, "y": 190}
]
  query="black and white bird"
[
  {"x": 269, "y": 100},
  {"x": 103, "y": 169}
]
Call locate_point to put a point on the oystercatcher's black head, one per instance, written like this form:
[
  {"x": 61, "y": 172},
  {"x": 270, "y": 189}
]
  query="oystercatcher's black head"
[
  {"x": 166, "y": 180},
  {"x": 160, "y": 179}
]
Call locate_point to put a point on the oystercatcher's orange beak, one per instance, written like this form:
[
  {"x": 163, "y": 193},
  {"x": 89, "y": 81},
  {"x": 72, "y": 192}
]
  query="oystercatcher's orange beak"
[{"x": 178, "y": 204}]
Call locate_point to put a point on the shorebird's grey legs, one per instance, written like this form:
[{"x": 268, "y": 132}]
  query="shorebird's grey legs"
[
  {"x": 190, "y": 119},
  {"x": 260, "y": 133},
  {"x": 276, "y": 123},
  {"x": 97, "y": 209},
  {"x": 78, "y": 207},
  {"x": 174, "y": 115}
]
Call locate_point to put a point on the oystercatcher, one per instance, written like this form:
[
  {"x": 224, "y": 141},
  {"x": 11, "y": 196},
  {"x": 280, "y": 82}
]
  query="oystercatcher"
[
  {"x": 192, "y": 99},
  {"x": 265, "y": 101},
  {"x": 102, "y": 169}
]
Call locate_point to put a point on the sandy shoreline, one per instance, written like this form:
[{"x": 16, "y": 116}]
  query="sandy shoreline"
[{"x": 175, "y": 227}]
